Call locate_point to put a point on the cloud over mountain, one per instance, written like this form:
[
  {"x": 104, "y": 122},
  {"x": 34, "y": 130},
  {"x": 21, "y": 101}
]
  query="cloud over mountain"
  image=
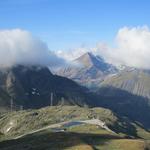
[
  {"x": 131, "y": 48},
  {"x": 72, "y": 54},
  {"x": 21, "y": 47}
]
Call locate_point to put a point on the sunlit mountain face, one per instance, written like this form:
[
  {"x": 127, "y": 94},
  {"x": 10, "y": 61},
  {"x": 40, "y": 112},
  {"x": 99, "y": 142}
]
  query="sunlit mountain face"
[{"x": 89, "y": 70}]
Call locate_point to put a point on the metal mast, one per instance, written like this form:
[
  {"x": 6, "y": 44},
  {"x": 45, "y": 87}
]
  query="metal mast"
[
  {"x": 21, "y": 107},
  {"x": 51, "y": 99},
  {"x": 11, "y": 104}
]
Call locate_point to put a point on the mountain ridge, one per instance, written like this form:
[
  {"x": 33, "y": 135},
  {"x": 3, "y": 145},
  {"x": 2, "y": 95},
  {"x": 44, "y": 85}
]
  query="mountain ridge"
[
  {"x": 90, "y": 69},
  {"x": 31, "y": 87}
]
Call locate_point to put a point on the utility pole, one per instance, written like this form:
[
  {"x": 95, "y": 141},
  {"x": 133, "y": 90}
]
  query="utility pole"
[
  {"x": 21, "y": 107},
  {"x": 62, "y": 101},
  {"x": 51, "y": 99},
  {"x": 11, "y": 104}
]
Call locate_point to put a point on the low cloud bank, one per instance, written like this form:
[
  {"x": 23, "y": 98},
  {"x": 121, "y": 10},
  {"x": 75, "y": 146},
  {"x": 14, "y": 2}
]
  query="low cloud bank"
[
  {"x": 131, "y": 48},
  {"x": 21, "y": 47}
]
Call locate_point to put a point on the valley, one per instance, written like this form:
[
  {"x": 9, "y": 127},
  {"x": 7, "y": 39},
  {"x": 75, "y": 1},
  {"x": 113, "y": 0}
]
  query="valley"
[
  {"x": 42, "y": 110},
  {"x": 74, "y": 75}
]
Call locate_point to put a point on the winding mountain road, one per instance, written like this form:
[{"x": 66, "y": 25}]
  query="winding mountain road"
[{"x": 72, "y": 123}]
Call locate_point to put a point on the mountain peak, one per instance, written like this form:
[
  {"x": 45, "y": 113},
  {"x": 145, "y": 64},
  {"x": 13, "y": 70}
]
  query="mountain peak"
[
  {"x": 91, "y": 69},
  {"x": 90, "y": 60},
  {"x": 88, "y": 54},
  {"x": 87, "y": 59}
]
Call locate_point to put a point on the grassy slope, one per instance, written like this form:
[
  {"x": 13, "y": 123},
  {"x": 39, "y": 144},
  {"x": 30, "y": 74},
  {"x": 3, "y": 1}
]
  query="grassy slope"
[
  {"x": 77, "y": 137},
  {"x": 106, "y": 140},
  {"x": 25, "y": 121},
  {"x": 87, "y": 138}
]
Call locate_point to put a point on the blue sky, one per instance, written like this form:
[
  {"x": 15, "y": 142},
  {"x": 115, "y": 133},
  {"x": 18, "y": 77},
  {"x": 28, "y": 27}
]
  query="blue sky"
[{"x": 65, "y": 24}]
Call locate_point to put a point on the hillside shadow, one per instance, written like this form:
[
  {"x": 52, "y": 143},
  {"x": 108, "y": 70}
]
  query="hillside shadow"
[
  {"x": 123, "y": 103},
  {"x": 56, "y": 141}
]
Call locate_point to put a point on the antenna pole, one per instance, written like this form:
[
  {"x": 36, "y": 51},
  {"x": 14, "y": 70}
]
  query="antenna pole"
[
  {"x": 21, "y": 107},
  {"x": 51, "y": 99},
  {"x": 11, "y": 104}
]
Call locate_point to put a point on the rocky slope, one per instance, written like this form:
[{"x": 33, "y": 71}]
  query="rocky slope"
[
  {"x": 89, "y": 70},
  {"x": 31, "y": 87},
  {"x": 132, "y": 80},
  {"x": 128, "y": 93}
]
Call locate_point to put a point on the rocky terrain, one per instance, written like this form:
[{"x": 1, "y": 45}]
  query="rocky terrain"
[
  {"x": 88, "y": 70},
  {"x": 32, "y": 86}
]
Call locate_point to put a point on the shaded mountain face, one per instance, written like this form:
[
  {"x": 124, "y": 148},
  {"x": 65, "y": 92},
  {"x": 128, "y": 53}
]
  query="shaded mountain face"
[
  {"x": 128, "y": 94},
  {"x": 31, "y": 87},
  {"x": 90, "y": 70}
]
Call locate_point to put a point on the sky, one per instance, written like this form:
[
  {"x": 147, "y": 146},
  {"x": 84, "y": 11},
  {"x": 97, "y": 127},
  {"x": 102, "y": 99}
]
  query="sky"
[
  {"x": 55, "y": 32},
  {"x": 65, "y": 24}
]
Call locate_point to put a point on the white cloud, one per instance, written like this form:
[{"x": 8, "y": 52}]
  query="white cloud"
[
  {"x": 132, "y": 48},
  {"x": 21, "y": 47},
  {"x": 72, "y": 54}
]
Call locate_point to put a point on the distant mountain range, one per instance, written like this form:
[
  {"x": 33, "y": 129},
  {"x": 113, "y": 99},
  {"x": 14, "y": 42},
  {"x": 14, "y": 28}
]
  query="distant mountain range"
[
  {"x": 128, "y": 93},
  {"x": 135, "y": 81},
  {"x": 125, "y": 90},
  {"x": 89, "y": 71},
  {"x": 93, "y": 71}
]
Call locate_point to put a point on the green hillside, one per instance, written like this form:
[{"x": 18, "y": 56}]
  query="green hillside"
[{"x": 34, "y": 129}]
